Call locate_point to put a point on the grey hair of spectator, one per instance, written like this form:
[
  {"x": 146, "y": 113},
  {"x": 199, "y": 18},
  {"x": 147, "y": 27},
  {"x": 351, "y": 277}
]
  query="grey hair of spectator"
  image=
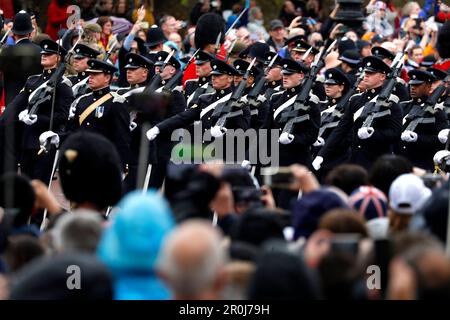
[
  {"x": 192, "y": 259},
  {"x": 252, "y": 13},
  {"x": 409, "y": 7},
  {"x": 78, "y": 231}
]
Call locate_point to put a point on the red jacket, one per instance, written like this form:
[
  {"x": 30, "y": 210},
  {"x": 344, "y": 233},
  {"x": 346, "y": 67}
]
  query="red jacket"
[{"x": 56, "y": 19}]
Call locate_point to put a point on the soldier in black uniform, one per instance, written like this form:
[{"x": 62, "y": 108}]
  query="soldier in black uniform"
[
  {"x": 103, "y": 111},
  {"x": 336, "y": 86},
  {"x": 294, "y": 146},
  {"x": 421, "y": 123},
  {"x": 82, "y": 54},
  {"x": 37, "y": 119},
  {"x": 194, "y": 88},
  {"x": 222, "y": 77},
  {"x": 274, "y": 78},
  {"x": 137, "y": 70},
  {"x": 401, "y": 90},
  {"x": 368, "y": 143},
  {"x": 297, "y": 51},
  {"x": 350, "y": 62},
  {"x": 175, "y": 104},
  {"x": 257, "y": 116}
]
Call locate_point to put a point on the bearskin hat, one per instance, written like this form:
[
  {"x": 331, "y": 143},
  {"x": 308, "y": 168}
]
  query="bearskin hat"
[{"x": 207, "y": 30}]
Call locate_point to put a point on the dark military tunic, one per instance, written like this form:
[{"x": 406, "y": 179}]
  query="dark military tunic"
[
  {"x": 39, "y": 167},
  {"x": 386, "y": 135},
  {"x": 331, "y": 114},
  {"x": 80, "y": 76},
  {"x": 305, "y": 133},
  {"x": 110, "y": 119},
  {"x": 421, "y": 152},
  {"x": 195, "y": 88}
]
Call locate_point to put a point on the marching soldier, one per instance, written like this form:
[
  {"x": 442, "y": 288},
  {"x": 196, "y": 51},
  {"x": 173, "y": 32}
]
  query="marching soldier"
[
  {"x": 194, "y": 88},
  {"x": 38, "y": 110},
  {"x": 421, "y": 122},
  {"x": 102, "y": 111},
  {"x": 349, "y": 64},
  {"x": 82, "y": 54},
  {"x": 259, "y": 115},
  {"x": 274, "y": 78},
  {"x": 294, "y": 146},
  {"x": 373, "y": 132},
  {"x": 222, "y": 77},
  {"x": 175, "y": 104},
  {"x": 137, "y": 70},
  {"x": 401, "y": 90},
  {"x": 336, "y": 86}
]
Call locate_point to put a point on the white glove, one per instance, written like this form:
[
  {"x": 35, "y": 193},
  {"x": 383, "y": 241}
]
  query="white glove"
[
  {"x": 22, "y": 114},
  {"x": 217, "y": 131},
  {"x": 409, "y": 136},
  {"x": 365, "y": 132},
  {"x": 286, "y": 138},
  {"x": 72, "y": 112},
  {"x": 443, "y": 135},
  {"x": 49, "y": 136},
  {"x": 317, "y": 162},
  {"x": 133, "y": 125},
  {"x": 152, "y": 133},
  {"x": 30, "y": 119},
  {"x": 319, "y": 142},
  {"x": 441, "y": 156}
]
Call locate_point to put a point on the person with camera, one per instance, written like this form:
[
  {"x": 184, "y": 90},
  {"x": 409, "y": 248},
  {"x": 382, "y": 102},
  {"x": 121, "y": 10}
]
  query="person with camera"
[
  {"x": 421, "y": 123},
  {"x": 370, "y": 137}
]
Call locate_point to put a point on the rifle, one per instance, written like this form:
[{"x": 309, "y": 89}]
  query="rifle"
[
  {"x": 177, "y": 77},
  {"x": 428, "y": 106},
  {"x": 224, "y": 111},
  {"x": 236, "y": 21},
  {"x": 254, "y": 98},
  {"x": 230, "y": 49},
  {"x": 5, "y": 36},
  {"x": 385, "y": 98},
  {"x": 217, "y": 44},
  {"x": 108, "y": 54},
  {"x": 154, "y": 84},
  {"x": 327, "y": 120},
  {"x": 291, "y": 116}
]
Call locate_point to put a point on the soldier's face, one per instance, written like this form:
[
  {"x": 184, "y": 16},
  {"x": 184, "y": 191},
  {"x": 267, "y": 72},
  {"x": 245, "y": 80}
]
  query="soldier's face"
[
  {"x": 292, "y": 80},
  {"x": 419, "y": 90},
  {"x": 168, "y": 72},
  {"x": 373, "y": 79},
  {"x": 49, "y": 61},
  {"x": 80, "y": 65},
  {"x": 333, "y": 90},
  {"x": 221, "y": 81},
  {"x": 135, "y": 76},
  {"x": 203, "y": 70},
  {"x": 237, "y": 79},
  {"x": 98, "y": 80},
  {"x": 274, "y": 74}
]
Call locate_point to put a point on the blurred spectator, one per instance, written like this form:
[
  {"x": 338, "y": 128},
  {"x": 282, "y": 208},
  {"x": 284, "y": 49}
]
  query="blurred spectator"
[
  {"x": 347, "y": 177},
  {"x": 192, "y": 262},
  {"x": 130, "y": 246},
  {"x": 369, "y": 202},
  {"x": 256, "y": 23},
  {"x": 236, "y": 10},
  {"x": 106, "y": 35},
  {"x": 407, "y": 195},
  {"x": 277, "y": 35},
  {"x": 386, "y": 169},
  {"x": 56, "y": 17},
  {"x": 376, "y": 21},
  {"x": 290, "y": 10},
  {"x": 169, "y": 25},
  {"x": 415, "y": 56},
  {"x": 121, "y": 9},
  {"x": 78, "y": 231},
  {"x": 103, "y": 8},
  {"x": 343, "y": 221},
  {"x": 21, "y": 250}
]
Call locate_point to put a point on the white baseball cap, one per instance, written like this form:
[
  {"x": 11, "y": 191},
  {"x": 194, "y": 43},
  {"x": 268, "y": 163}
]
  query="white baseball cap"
[{"x": 407, "y": 194}]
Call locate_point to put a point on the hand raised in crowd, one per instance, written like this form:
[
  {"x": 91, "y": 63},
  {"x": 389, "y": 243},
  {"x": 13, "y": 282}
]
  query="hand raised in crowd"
[
  {"x": 141, "y": 14},
  {"x": 44, "y": 198},
  {"x": 304, "y": 179},
  {"x": 336, "y": 30}
]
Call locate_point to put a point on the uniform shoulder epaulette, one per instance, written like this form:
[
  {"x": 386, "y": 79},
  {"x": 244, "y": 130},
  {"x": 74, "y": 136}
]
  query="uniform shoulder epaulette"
[
  {"x": 66, "y": 81},
  {"x": 117, "y": 97},
  {"x": 353, "y": 96},
  {"x": 401, "y": 81},
  {"x": 190, "y": 80},
  {"x": 178, "y": 88}
]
